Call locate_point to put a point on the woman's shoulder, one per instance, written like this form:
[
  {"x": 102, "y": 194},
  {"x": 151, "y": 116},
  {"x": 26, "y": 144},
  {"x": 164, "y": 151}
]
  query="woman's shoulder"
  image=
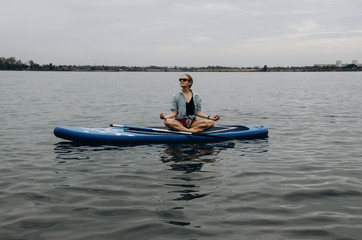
[
  {"x": 178, "y": 94},
  {"x": 195, "y": 93}
]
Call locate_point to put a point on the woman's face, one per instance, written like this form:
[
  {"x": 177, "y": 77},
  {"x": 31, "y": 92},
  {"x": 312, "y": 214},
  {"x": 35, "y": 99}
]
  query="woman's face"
[{"x": 185, "y": 81}]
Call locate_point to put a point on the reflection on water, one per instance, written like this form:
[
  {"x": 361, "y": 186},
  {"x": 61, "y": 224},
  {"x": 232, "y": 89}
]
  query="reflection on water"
[
  {"x": 188, "y": 159},
  {"x": 196, "y": 174},
  {"x": 178, "y": 176},
  {"x": 66, "y": 151},
  {"x": 70, "y": 147},
  {"x": 191, "y": 158}
]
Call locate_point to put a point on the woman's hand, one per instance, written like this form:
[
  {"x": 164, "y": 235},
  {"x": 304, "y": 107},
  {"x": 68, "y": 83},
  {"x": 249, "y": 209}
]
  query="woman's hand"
[
  {"x": 162, "y": 116},
  {"x": 215, "y": 118}
]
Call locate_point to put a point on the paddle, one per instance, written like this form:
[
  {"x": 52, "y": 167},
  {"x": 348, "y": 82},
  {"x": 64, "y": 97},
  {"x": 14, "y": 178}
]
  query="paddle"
[
  {"x": 150, "y": 129},
  {"x": 169, "y": 131}
]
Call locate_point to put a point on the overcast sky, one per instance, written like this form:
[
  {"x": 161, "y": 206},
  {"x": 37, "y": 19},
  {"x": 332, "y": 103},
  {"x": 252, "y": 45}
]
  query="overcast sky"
[{"x": 238, "y": 33}]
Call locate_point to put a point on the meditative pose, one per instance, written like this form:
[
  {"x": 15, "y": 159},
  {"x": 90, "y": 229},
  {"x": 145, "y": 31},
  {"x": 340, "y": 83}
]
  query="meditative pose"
[{"x": 185, "y": 107}]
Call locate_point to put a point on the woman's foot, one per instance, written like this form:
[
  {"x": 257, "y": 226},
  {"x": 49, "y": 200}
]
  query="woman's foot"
[{"x": 196, "y": 130}]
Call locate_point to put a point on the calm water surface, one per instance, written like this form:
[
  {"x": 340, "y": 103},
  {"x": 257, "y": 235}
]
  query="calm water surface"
[{"x": 303, "y": 182}]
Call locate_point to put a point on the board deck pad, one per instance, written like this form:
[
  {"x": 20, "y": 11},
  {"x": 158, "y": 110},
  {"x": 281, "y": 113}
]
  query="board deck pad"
[{"x": 217, "y": 129}]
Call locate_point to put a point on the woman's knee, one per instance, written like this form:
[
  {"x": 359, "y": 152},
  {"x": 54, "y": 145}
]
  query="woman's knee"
[
  {"x": 211, "y": 123},
  {"x": 168, "y": 123}
]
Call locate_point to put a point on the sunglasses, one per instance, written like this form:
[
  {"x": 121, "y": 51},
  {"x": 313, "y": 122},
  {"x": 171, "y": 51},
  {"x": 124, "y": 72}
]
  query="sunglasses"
[{"x": 184, "y": 80}]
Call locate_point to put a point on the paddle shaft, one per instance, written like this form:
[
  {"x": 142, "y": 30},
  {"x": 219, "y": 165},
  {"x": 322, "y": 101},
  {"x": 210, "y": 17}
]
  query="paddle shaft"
[{"x": 151, "y": 129}]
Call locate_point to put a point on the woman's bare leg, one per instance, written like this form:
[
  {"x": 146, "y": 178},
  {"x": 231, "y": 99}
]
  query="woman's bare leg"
[{"x": 203, "y": 124}]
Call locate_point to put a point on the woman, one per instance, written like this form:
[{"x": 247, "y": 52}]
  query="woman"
[{"x": 185, "y": 106}]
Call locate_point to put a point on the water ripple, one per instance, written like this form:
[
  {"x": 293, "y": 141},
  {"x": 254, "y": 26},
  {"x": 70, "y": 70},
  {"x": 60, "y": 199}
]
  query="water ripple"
[
  {"x": 303, "y": 182},
  {"x": 320, "y": 194}
]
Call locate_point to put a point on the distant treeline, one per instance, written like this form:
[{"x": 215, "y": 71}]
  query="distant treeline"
[{"x": 17, "y": 65}]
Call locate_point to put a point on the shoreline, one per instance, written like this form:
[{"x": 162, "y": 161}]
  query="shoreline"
[
  {"x": 188, "y": 70},
  {"x": 13, "y": 64}
]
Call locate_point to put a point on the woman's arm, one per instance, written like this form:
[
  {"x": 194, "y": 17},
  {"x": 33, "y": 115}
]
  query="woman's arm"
[
  {"x": 171, "y": 115},
  {"x": 203, "y": 115}
]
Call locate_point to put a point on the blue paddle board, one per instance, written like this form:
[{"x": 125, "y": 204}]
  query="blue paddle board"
[{"x": 123, "y": 135}]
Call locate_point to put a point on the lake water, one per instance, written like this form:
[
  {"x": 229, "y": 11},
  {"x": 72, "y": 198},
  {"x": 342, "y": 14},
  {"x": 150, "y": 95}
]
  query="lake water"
[{"x": 303, "y": 182}]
